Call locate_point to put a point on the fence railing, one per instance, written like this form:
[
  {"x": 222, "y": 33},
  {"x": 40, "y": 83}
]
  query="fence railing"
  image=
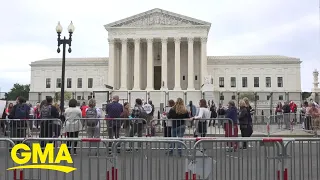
[{"x": 164, "y": 158}]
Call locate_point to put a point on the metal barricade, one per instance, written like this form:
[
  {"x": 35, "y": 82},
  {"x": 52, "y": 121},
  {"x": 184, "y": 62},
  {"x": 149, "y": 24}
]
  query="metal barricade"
[
  {"x": 274, "y": 124},
  {"x": 194, "y": 128},
  {"x": 304, "y": 162},
  {"x": 6, "y": 160},
  {"x": 22, "y": 128},
  {"x": 224, "y": 160},
  {"x": 267, "y": 158},
  {"x": 104, "y": 127},
  {"x": 160, "y": 159}
]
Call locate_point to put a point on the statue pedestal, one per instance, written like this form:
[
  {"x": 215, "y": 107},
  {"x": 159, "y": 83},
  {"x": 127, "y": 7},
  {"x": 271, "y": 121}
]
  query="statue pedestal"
[{"x": 207, "y": 88}]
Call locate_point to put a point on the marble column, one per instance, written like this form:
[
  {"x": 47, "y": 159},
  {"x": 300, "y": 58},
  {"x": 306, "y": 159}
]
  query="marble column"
[
  {"x": 124, "y": 63},
  {"x": 164, "y": 64},
  {"x": 203, "y": 64},
  {"x": 177, "y": 84},
  {"x": 111, "y": 64},
  {"x": 136, "y": 69},
  {"x": 150, "y": 68},
  {"x": 190, "y": 64}
]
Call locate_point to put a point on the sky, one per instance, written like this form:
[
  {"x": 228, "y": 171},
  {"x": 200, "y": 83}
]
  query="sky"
[{"x": 239, "y": 27}]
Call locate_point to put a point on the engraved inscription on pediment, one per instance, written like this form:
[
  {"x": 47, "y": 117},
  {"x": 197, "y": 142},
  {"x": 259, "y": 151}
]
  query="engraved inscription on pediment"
[{"x": 156, "y": 19}]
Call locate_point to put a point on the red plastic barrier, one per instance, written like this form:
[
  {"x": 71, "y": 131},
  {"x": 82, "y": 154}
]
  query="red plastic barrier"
[{"x": 91, "y": 139}]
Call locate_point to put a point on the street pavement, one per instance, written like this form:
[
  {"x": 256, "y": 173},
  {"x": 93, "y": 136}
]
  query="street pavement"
[{"x": 259, "y": 161}]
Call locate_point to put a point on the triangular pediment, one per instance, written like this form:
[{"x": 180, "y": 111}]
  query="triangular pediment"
[{"x": 157, "y": 17}]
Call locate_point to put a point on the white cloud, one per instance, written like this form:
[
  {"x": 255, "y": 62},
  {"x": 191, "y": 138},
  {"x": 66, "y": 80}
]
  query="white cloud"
[
  {"x": 238, "y": 27},
  {"x": 15, "y": 60}
]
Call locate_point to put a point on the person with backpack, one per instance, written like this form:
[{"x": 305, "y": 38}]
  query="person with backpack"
[
  {"x": 49, "y": 126},
  {"x": 139, "y": 113},
  {"x": 20, "y": 114},
  {"x": 92, "y": 122}
]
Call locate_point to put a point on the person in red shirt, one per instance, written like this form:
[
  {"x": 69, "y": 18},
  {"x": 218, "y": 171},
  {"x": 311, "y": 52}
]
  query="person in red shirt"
[
  {"x": 293, "y": 109},
  {"x": 83, "y": 108}
]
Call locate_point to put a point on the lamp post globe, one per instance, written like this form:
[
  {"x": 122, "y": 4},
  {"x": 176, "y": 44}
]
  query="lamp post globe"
[
  {"x": 71, "y": 28},
  {"x": 59, "y": 28}
]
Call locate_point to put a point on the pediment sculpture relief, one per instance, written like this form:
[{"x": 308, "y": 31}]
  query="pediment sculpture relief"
[{"x": 157, "y": 19}]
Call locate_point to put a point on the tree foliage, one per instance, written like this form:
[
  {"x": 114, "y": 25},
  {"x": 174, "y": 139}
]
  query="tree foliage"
[
  {"x": 250, "y": 96},
  {"x": 305, "y": 95},
  {"x": 67, "y": 96},
  {"x": 18, "y": 90}
]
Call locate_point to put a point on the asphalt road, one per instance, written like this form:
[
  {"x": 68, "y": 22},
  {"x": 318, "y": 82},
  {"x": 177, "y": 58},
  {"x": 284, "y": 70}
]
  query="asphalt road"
[{"x": 152, "y": 163}]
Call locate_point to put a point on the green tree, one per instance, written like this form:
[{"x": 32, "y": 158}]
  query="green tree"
[
  {"x": 67, "y": 96},
  {"x": 19, "y": 90},
  {"x": 250, "y": 96},
  {"x": 305, "y": 95}
]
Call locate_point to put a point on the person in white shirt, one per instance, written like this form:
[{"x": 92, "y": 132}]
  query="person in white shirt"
[
  {"x": 202, "y": 118},
  {"x": 72, "y": 125}
]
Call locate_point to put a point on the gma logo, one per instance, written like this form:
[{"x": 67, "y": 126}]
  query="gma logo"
[{"x": 46, "y": 157}]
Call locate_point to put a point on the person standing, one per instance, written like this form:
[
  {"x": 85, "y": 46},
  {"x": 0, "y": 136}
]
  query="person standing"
[
  {"x": 149, "y": 108},
  {"x": 231, "y": 128},
  {"x": 213, "y": 115},
  {"x": 178, "y": 113},
  {"x": 168, "y": 123},
  {"x": 244, "y": 121},
  {"x": 126, "y": 122},
  {"x": 221, "y": 115},
  {"x": 249, "y": 114},
  {"x": 201, "y": 119},
  {"x": 92, "y": 122},
  {"x": 48, "y": 113},
  {"x": 114, "y": 110},
  {"x": 20, "y": 114},
  {"x": 286, "y": 115},
  {"x": 72, "y": 125},
  {"x": 83, "y": 109}
]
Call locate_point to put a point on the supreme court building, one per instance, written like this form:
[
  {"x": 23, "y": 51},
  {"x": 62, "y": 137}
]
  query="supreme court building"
[{"x": 162, "y": 55}]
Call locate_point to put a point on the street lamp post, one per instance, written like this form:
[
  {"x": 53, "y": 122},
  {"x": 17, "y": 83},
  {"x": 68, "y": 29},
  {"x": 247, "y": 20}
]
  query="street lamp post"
[{"x": 64, "y": 43}]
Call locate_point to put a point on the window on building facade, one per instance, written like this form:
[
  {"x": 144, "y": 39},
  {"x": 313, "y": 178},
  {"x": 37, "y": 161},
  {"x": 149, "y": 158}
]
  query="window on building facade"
[
  {"x": 233, "y": 81},
  {"x": 221, "y": 81},
  {"x": 48, "y": 82},
  {"x": 257, "y": 98},
  {"x": 280, "y": 97},
  {"x": 195, "y": 78},
  {"x": 268, "y": 97},
  {"x": 69, "y": 83},
  {"x": 79, "y": 98},
  {"x": 268, "y": 81},
  {"x": 221, "y": 98},
  {"x": 256, "y": 82},
  {"x": 233, "y": 97},
  {"x": 58, "y": 83},
  {"x": 90, "y": 82},
  {"x": 244, "y": 82},
  {"x": 280, "y": 81},
  {"x": 79, "y": 83},
  {"x": 183, "y": 78}
]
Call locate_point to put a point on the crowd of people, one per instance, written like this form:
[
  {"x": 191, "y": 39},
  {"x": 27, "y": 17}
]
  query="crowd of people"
[{"x": 50, "y": 120}]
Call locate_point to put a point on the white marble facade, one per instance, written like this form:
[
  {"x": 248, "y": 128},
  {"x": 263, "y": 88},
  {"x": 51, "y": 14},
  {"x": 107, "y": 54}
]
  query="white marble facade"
[{"x": 157, "y": 52}]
